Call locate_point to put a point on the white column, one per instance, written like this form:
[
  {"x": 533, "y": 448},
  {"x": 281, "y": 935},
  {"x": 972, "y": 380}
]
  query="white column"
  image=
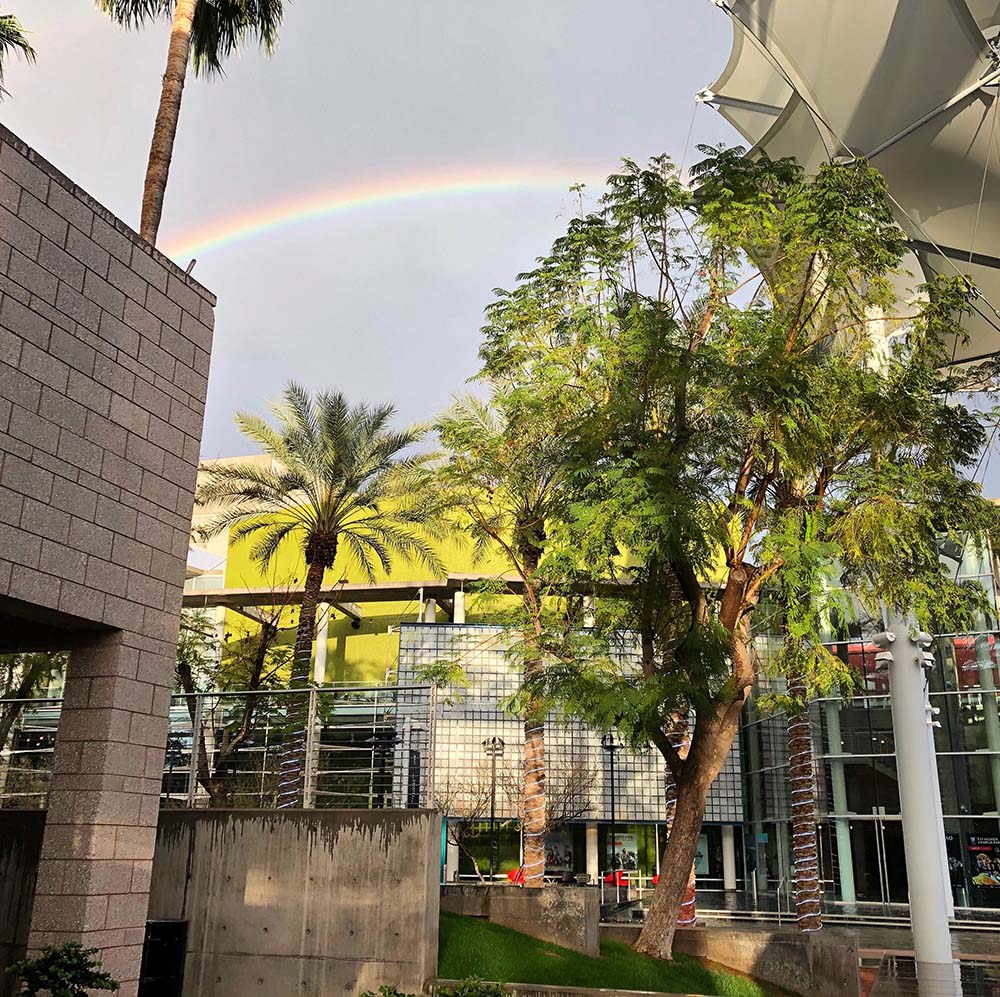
[
  {"x": 450, "y": 861},
  {"x": 728, "y": 857},
  {"x": 593, "y": 858},
  {"x": 589, "y": 610},
  {"x": 458, "y": 616},
  {"x": 322, "y": 636},
  {"x": 842, "y": 825},
  {"x": 920, "y": 804},
  {"x": 430, "y": 611},
  {"x": 220, "y": 629}
]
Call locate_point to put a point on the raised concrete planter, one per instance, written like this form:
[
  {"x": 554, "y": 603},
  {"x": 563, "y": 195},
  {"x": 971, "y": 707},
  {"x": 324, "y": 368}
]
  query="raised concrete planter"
[
  {"x": 813, "y": 965},
  {"x": 564, "y": 915}
]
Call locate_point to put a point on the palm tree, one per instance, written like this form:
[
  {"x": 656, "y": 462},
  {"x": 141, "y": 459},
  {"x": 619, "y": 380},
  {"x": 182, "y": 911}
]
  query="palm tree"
[
  {"x": 203, "y": 32},
  {"x": 338, "y": 480},
  {"x": 506, "y": 477},
  {"x": 12, "y": 40}
]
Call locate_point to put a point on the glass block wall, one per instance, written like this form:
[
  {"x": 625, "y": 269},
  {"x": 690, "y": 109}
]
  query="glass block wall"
[{"x": 578, "y": 768}]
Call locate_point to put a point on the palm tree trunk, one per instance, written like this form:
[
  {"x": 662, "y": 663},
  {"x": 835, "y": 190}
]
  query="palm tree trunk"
[
  {"x": 291, "y": 776},
  {"x": 534, "y": 791},
  {"x": 535, "y": 823},
  {"x": 805, "y": 854},
  {"x": 161, "y": 148}
]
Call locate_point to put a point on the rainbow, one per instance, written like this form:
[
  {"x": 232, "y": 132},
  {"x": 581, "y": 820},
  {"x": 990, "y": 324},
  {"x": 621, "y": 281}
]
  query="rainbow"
[{"x": 374, "y": 194}]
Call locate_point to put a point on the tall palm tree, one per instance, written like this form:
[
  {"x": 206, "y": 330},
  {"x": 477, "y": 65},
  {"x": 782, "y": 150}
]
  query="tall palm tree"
[
  {"x": 339, "y": 480},
  {"x": 13, "y": 40},
  {"x": 203, "y": 32},
  {"x": 506, "y": 478}
]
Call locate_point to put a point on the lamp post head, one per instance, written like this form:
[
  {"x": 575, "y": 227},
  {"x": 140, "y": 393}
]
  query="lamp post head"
[
  {"x": 609, "y": 743},
  {"x": 493, "y": 746}
]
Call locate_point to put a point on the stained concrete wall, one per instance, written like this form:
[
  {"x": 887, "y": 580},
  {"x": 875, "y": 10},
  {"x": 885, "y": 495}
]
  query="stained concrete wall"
[
  {"x": 301, "y": 902},
  {"x": 812, "y": 965},
  {"x": 564, "y": 915},
  {"x": 104, "y": 357}
]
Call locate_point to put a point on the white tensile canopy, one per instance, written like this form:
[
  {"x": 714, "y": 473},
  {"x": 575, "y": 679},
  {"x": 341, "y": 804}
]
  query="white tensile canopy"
[{"x": 910, "y": 84}]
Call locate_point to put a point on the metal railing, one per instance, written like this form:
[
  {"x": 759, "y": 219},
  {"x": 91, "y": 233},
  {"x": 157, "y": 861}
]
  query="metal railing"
[{"x": 367, "y": 747}]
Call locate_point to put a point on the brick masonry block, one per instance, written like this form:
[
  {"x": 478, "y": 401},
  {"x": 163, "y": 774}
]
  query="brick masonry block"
[{"x": 104, "y": 354}]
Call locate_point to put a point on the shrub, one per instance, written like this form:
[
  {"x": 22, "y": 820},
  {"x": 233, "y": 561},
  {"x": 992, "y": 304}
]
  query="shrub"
[
  {"x": 473, "y": 987},
  {"x": 67, "y": 970}
]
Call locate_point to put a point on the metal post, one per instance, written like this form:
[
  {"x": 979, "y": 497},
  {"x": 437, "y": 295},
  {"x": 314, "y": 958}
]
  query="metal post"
[
  {"x": 493, "y": 812},
  {"x": 609, "y": 744},
  {"x": 312, "y": 752},
  {"x": 920, "y": 805},
  {"x": 195, "y": 743}
]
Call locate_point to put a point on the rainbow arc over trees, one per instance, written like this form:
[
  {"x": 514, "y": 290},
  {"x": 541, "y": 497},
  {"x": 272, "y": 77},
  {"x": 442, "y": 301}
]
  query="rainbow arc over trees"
[{"x": 378, "y": 193}]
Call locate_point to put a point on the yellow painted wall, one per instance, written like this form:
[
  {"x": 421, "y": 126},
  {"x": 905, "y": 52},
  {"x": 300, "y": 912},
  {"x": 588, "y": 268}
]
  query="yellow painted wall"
[{"x": 365, "y": 654}]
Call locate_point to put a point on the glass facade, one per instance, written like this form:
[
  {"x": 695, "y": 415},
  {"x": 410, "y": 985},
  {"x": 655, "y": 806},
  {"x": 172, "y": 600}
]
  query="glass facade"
[
  {"x": 859, "y": 823},
  {"x": 582, "y": 786}
]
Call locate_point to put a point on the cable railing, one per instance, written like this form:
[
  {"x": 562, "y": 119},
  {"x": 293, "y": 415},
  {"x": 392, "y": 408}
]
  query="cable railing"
[{"x": 367, "y": 747}]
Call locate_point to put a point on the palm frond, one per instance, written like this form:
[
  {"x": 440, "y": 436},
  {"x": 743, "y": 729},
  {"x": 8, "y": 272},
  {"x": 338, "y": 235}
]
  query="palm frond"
[
  {"x": 136, "y": 13},
  {"x": 13, "y": 39},
  {"x": 340, "y": 476},
  {"x": 222, "y": 27}
]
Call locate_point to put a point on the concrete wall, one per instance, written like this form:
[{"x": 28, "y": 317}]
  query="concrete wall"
[
  {"x": 104, "y": 357},
  {"x": 564, "y": 915},
  {"x": 301, "y": 902},
  {"x": 813, "y": 965}
]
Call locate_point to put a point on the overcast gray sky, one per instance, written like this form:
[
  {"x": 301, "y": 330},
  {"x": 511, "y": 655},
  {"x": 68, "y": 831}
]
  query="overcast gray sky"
[{"x": 384, "y": 303}]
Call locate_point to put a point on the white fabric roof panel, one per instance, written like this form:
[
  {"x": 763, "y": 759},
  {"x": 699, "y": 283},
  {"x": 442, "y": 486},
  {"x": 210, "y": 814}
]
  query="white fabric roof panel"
[
  {"x": 986, "y": 12},
  {"x": 861, "y": 73},
  {"x": 869, "y": 67}
]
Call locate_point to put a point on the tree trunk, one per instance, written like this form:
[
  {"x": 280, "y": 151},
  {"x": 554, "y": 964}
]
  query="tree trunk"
[
  {"x": 161, "y": 148},
  {"x": 805, "y": 854},
  {"x": 681, "y": 740},
  {"x": 534, "y": 794},
  {"x": 535, "y": 821},
  {"x": 657, "y": 937},
  {"x": 23, "y": 691},
  {"x": 204, "y": 775},
  {"x": 291, "y": 776}
]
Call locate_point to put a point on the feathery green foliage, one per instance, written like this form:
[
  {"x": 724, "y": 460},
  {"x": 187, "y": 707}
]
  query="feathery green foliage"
[{"x": 745, "y": 410}]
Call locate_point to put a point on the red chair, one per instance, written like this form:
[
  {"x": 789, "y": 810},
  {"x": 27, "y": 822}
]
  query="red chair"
[
  {"x": 616, "y": 878},
  {"x": 516, "y": 876}
]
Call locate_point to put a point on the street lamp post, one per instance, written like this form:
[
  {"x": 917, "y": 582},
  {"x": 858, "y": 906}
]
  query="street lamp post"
[
  {"x": 610, "y": 745},
  {"x": 493, "y": 746}
]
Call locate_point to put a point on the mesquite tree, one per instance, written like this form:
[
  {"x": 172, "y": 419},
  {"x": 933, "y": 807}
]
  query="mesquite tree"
[
  {"x": 339, "y": 480},
  {"x": 705, "y": 356}
]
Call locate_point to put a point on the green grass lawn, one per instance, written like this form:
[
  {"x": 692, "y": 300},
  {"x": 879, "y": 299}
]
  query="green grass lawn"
[{"x": 473, "y": 947}]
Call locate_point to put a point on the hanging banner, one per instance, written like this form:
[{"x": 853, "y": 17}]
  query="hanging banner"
[
  {"x": 559, "y": 853},
  {"x": 984, "y": 860},
  {"x": 626, "y": 852}
]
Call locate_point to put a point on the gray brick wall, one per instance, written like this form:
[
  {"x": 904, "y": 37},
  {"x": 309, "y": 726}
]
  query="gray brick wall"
[{"x": 104, "y": 358}]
